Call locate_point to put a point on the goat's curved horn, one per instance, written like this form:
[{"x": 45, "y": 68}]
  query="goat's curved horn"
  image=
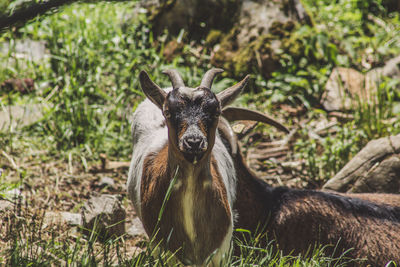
[
  {"x": 234, "y": 114},
  {"x": 152, "y": 90},
  {"x": 228, "y": 95},
  {"x": 227, "y": 133},
  {"x": 175, "y": 78},
  {"x": 209, "y": 77}
]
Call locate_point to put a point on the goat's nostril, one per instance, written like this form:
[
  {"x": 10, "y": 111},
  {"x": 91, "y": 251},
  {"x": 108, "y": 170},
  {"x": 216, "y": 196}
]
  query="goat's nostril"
[{"x": 193, "y": 143}]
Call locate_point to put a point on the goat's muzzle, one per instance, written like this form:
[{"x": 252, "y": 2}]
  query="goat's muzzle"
[{"x": 193, "y": 147}]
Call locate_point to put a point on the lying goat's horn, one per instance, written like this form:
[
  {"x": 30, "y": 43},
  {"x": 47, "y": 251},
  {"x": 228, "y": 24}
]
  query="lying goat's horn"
[
  {"x": 235, "y": 114},
  {"x": 227, "y": 133},
  {"x": 175, "y": 78}
]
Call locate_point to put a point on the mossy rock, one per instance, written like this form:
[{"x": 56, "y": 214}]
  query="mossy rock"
[
  {"x": 243, "y": 36},
  {"x": 264, "y": 30},
  {"x": 260, "y": 54}
]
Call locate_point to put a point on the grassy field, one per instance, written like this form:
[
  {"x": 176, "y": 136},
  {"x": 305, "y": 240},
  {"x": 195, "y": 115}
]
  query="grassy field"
[{"x": 88, "y": 87}]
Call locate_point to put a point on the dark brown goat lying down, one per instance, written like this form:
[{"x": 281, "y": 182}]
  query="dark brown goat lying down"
[{"x": 367, "y": 226}]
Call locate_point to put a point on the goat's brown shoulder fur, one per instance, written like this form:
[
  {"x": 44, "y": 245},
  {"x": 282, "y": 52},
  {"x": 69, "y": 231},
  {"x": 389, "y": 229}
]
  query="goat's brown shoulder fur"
[{"x": 212, "y": 214}]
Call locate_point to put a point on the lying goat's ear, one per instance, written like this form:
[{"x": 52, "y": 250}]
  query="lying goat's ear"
[
  {"x": 152, "y": 90},
  {"x": 228, "y": 95}
]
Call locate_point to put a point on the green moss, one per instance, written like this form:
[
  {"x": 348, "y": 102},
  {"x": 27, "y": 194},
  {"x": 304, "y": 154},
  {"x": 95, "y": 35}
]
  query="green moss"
[
  {"x": 214, "y": 37},
  {"x": 257, "y": 55},
  {"x": 227, "y": 48},
  {"x": 254, "y": 56},
  {"x": 280, "y": 29},
  {"x": 294, "y": 44},
  {"x": 242, "y": 60},
  {"x": 156, "y": 11}
]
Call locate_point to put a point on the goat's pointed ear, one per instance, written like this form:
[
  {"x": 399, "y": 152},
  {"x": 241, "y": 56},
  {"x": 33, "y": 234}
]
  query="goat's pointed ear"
[
  {"x": 228, "y": 95},
  {"x": 152, "y": 90}
]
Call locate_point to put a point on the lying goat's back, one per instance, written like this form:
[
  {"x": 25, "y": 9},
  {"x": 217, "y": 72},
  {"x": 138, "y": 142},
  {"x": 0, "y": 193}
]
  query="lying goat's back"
[
  {"x": 367, "y": 230},
  {"x": 297, "y": 220}
]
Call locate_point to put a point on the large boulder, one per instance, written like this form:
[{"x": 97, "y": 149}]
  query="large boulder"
[
  {"x": 17, "y": 117},
  {"x": 262, "y": 31},
  {"x": 261, "y": 17},
  {"x": 242, "y": 34},
  {"x": 196, "y": 17},
  {"x": 346, "y": 88},
  {"x": 391, "y": 5},
  {"x": 376, "y": 168}
]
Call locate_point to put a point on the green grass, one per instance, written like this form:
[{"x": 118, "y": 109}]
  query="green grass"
[
  {"x": 36, "y": 244},
  {"x": 91, "y": 77}
]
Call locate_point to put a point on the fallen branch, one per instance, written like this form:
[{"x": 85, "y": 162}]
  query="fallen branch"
[
  {"x": 109, "y": 166},
  {"x": 11, "y": 160},
  {"x": 26, "y": 13}
]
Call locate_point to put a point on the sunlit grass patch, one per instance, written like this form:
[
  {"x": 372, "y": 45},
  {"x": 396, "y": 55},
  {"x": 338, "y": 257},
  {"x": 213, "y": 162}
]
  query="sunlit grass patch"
[{"x": 31, "y": 240}]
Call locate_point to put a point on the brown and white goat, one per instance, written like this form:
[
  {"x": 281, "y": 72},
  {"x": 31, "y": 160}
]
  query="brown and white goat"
[
  {"x": 367, "y": 226},
  {"x": 175, "y": 137}
]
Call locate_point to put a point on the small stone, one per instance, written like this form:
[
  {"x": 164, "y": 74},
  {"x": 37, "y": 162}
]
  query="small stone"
[
  {"x": 55, "y": 217},
  {"x": 346, "y": 87},
  {"x": 106, "y": 181},
  {"x": 136, "y": 229},
  {"x": 72, "y": 219},
  {"x": 13, "y": 194},
  {"x": 24, "y": 85},
  {"x": 5, "y": 205},
  {"x": 105, "y": 215}
]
